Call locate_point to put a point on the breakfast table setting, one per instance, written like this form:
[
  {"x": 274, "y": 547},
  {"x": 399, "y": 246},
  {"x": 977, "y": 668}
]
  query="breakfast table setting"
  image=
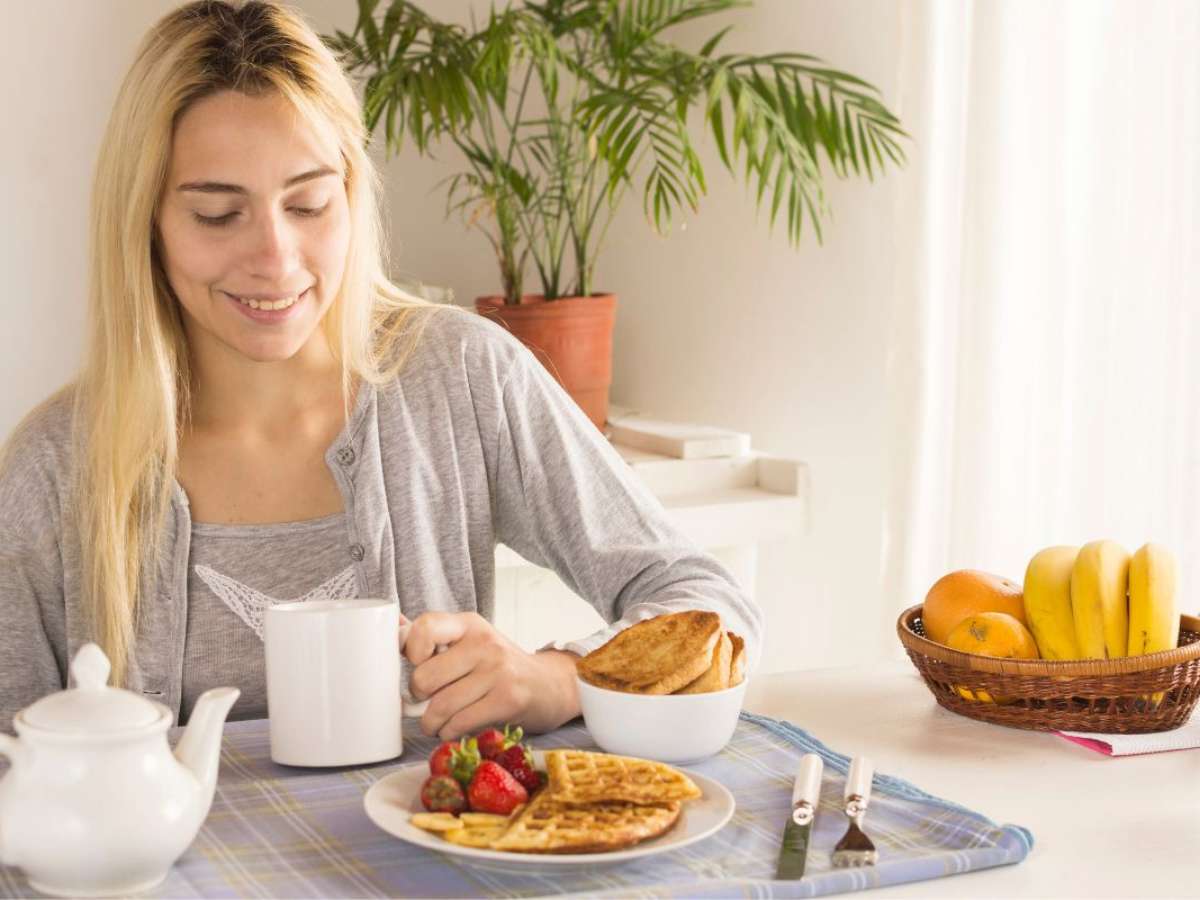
[
  {"x": 694, "y": 780},
  {"x": 279, "y": 831},
  {"x": 1093, "y": 831}
]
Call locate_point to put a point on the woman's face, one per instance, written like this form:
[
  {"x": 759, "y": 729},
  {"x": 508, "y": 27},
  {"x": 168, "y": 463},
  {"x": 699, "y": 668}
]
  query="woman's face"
[{"x": 254, "y": 225}]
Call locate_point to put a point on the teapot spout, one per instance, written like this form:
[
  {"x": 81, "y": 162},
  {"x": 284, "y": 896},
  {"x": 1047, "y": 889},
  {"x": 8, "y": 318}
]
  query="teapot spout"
[{"x": 199, "y": 750}]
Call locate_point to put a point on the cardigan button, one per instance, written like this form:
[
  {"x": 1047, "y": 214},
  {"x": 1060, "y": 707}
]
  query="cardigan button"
[
  {"x": 346, "y": 456},
  {"x": 357, "y": 552}
]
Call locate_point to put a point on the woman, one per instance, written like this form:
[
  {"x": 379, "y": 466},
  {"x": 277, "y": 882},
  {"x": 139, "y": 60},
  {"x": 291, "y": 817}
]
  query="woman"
[{"x": 262, "y": 416}]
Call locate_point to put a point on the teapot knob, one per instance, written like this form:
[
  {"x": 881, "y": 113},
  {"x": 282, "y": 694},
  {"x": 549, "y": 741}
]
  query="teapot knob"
[{"x": 90, "y": 668}]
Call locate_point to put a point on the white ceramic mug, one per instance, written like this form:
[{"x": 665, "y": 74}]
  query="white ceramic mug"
[{"x": 333, "y": 682}]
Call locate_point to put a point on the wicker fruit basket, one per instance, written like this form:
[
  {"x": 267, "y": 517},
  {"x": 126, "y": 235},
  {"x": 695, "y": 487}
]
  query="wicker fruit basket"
[{"x": 1132, "y": 695}]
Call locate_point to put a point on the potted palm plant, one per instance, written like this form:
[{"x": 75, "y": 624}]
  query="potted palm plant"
[{"x": 561, "y": 108}]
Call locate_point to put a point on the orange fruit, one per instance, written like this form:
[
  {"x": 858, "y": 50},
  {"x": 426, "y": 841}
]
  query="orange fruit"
[
  {"x": 991, "y": 634},
  {"x": 965, "y": 593}
]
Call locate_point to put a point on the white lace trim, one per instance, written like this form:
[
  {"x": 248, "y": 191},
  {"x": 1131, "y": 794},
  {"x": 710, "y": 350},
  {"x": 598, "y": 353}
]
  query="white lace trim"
[{"x": 249, "y": 604}]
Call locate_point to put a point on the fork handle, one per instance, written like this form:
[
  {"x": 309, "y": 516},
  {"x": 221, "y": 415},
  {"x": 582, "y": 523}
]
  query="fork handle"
[{"x": 858, "y": 785}]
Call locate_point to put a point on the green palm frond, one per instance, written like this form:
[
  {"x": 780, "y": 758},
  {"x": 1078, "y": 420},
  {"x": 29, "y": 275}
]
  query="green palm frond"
[
  {"x": 560, "y": 107},
  {"x": 772, "y": 115},
  {"x": 420, "y": 78}
]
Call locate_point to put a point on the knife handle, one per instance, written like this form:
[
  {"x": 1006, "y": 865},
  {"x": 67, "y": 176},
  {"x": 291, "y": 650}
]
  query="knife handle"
[
  {"x": 858, "y": 786},
  {"x": 807, "y": 790}
]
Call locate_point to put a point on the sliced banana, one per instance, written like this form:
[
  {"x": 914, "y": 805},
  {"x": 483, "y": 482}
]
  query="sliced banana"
[
  {"x": 473, "y": 837},
  {"x": 439, "y": 821},
  {"x": 482, "y": 820}
]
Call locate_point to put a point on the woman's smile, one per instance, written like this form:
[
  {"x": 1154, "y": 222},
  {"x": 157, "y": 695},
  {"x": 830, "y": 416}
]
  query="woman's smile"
[{"x": 268, "y": 310}]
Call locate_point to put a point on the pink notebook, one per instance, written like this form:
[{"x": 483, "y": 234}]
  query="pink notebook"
[{"x": 1185, "y": 737}]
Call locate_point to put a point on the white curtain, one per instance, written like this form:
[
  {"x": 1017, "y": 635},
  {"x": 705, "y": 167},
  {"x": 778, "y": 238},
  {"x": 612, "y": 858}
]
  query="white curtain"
[{"x": 1045, "y": 353}]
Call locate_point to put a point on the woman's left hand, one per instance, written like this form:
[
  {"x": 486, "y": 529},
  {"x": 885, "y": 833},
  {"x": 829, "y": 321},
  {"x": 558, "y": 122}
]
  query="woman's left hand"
[{"x": 483, "y": 678}]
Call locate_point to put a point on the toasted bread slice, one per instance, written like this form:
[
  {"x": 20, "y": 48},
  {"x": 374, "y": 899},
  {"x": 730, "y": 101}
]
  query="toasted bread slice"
[
  {"x": 737, "y": 663},
  {"x": 655, "y": 656},
  {"x": 717, "y": 676}
]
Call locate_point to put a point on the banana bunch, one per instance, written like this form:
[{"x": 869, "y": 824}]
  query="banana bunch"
[{"x": 1098, "y": 602}]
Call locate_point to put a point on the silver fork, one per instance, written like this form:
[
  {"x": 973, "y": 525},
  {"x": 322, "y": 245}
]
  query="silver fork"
[{"x": 855, "y": 848}]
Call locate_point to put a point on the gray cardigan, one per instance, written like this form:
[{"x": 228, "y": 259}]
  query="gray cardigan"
[{"x": 473, "y": 444}]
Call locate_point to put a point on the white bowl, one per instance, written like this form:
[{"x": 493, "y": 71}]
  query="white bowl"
[{"x": 674, "y": 728}]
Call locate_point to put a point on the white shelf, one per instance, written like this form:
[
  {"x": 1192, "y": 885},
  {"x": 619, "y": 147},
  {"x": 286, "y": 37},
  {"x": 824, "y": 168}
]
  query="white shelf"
[{"x": 719, "y": 502}]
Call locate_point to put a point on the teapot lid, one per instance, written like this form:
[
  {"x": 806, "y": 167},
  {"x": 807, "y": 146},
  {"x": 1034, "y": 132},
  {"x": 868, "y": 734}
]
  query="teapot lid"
[{"x": 91, "y": 706}]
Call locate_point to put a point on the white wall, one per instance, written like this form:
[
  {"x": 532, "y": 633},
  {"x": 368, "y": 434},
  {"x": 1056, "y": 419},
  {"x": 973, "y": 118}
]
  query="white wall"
[
  {"x": 60, "y": 71},
  {"x": 720, "y": 323}
]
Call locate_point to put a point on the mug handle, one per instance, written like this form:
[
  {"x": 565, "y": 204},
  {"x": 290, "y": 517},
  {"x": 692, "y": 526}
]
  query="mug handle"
[
  {"x": 410, "y": 707},
  {"x": 11, "y": 748}
]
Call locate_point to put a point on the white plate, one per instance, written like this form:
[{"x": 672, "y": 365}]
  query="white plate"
[{"x": 392, "y": 799}]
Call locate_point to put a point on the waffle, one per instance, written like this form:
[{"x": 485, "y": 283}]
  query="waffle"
[
  {"x": 579, "y": 777},
  {"x": 548, "y": 826}
]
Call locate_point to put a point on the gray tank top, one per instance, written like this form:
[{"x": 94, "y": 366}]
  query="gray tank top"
[{"x": 234, "y": 573}]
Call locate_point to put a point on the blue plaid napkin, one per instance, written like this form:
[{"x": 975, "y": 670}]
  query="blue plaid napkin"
[{"x": 276, "y": 831}]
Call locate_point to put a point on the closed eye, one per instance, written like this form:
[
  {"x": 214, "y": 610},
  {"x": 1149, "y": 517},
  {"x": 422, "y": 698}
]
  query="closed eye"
[
  {"x": 309, "y": 212},
  {"x": 218, "y": 221},
  {"x": 214, "y": 221}
]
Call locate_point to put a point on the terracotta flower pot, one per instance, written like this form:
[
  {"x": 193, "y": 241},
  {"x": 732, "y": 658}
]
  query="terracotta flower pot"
[{"x": 572, "y": 336}]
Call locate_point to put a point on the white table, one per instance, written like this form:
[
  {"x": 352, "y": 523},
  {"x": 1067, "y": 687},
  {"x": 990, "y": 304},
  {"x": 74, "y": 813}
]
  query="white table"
[{"x": 1102, "y": 827}]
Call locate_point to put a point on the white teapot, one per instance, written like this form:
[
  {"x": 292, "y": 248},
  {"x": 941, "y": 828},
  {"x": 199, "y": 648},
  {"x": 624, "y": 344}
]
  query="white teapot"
[{"x": 94, "y": 802}]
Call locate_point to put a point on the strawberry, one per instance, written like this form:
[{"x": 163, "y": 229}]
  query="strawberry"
[
  {"x": 439, "y": 760},
  {"x": 492, "y": 741},
  {"x": 441, "y": 793},
  {"x": 519, "y": 762},
  {"x": 494, "y": 790}
]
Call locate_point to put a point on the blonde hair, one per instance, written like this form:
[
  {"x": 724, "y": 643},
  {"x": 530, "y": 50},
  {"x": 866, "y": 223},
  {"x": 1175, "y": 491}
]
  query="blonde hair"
[{"x": 132, "y": 393}]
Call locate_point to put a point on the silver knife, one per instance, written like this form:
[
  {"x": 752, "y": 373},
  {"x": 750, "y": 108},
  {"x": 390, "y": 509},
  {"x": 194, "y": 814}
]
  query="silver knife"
[{"x": 793, "y": 851}]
